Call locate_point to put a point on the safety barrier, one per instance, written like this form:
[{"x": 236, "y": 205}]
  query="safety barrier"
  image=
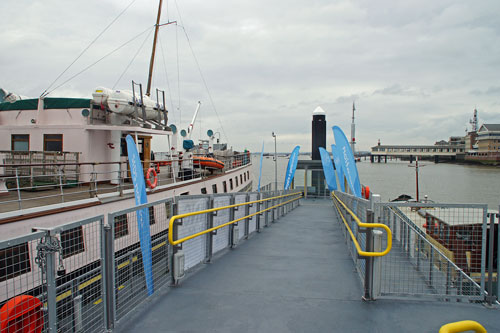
[
  {"x": 86, "y": 275},
  {"x": 364, "y": 244},
  {"x": 439, "y": 251}
]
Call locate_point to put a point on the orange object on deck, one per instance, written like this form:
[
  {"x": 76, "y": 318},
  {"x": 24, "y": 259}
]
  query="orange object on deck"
[
  {"x": 208, "y": 162},
  {"x": 21, "y": 314}
]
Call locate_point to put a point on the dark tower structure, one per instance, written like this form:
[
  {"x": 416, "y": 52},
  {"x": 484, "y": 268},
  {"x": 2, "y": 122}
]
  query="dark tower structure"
[
  {"x": 318, "y": 132},
  {"x": 318, "y": 140}
]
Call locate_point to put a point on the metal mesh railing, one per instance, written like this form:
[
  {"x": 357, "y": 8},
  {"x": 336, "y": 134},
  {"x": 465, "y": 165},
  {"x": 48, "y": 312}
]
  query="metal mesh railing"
[
  {"x": 72, "y": 299},
  {"x": 86, "y": 275},
  {"x": 438, "y": 251}
]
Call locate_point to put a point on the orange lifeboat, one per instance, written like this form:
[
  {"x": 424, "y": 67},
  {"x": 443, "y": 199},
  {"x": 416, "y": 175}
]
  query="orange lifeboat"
[{"x": 207, "y": 162}]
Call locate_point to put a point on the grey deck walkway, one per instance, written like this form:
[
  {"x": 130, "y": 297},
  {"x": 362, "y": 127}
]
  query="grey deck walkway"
[{"x": 295, "y": 276}]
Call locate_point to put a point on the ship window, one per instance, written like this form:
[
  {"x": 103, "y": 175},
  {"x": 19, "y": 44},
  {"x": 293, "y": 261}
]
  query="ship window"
[
  {"x": 20, "y": 142},
  {"x": 185, "y": 193},
  {"x": 245, "y": 176},
  {"x": 248, "y": 174},
  {"x": 236, "y": 179},
  {"x": 121, "y": 226},
  {"x": 231, "y": 183},
  {"x": 214, "y": 188},
  {"x": 203, "y": 190},
  {"x": 52, "y": 142},
  {"x": 72, "y": 242},
  {"x": 241, "y": 179},
  {"x": 224, "y": 185},
  {"x": 152, "y": 219},
  {"x": 14, "y": 261}
]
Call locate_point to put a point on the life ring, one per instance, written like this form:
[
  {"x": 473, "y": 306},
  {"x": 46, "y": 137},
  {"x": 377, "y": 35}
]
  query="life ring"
[
  {"x": 22, "y": 313},
  {"x": 367, "y": 192},
  {"x": 155, "y": 178}
]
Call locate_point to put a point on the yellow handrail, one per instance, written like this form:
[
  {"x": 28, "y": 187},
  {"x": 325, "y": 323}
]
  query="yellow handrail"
[
  {"x": 365, "y": 225},
  {"x": 180, "y": 216},
  {"x": 462, "y": 326}
]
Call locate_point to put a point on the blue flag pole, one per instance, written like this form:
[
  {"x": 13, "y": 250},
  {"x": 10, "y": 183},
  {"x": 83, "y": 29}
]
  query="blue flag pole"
[
  {"x": 347, "y": 161},
  {"x": 292, "y": 165},
  {"x": 142, "y": 214},
  {"x": 326, "y": 161}
]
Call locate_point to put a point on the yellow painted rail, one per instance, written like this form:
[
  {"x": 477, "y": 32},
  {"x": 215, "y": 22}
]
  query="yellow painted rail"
[
  {"x": 337, "y": 201},
  {"x": 462, "y": 326},
  {"x": 297, "y": 195}
]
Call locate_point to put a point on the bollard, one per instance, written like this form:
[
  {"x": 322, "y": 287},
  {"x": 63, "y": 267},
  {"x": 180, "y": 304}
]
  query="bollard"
[{"x": 77, "y": 303}]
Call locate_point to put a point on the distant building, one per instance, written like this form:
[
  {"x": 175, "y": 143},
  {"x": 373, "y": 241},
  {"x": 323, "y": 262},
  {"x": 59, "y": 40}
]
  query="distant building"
[{"x": 486, "y": 146}]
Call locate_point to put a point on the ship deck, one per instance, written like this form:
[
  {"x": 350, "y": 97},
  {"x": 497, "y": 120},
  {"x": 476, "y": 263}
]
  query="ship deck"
[{"x": 295, "y": 276}]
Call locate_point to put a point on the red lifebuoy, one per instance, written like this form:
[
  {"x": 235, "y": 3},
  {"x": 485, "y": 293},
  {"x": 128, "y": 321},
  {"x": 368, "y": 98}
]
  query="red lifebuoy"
[
  {"x": 22, "y": 314},
  {"x": 367, "y": 192},
  {"x": 148, "y": 178}
]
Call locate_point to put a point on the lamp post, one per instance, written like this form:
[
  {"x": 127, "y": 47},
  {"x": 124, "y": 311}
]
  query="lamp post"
[{"x": 275, "y": 164}]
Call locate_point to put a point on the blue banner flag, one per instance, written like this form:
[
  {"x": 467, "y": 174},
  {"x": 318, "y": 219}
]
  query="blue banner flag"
[
  {"x": 328, "y": 169},
  {"x": 260, "y": 170},
  {"x": 347, "y": 161},
  {"x": 142, "y": 214},
  {"x": 292, "y": 165},
  {"x": 338, "y": 167}
]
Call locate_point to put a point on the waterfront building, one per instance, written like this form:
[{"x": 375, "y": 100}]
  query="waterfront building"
[{"x": 487, "y": 145}]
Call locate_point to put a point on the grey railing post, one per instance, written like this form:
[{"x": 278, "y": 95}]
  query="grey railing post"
[
  {"x": 257, "y": 217},
  {"x": 247, "y": 220},
  {"x": 266, "y": 216},
  {"x": 77, "y": 303},
  {"x": 18, "y": 189},
  {"x": 491, "y": 298},
  {"x": 368, "y": 295},
  {"x": 107, "y": 253},
  {"x": 231, "y": 218},
  {"x": 210, "y": 235},
  {"x": 51, "y": 284},
  {"x": 377, "y": 265}
]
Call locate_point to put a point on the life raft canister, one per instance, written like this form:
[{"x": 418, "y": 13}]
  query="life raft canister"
[{"x": 148, "y": 178}]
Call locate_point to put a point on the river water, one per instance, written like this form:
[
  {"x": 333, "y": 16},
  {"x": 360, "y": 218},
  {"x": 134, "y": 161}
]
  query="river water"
[{"x": 442, "y": 182}]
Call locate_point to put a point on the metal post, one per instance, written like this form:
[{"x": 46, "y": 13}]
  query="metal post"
[
  {"x": 231, "y": 218},
  {"x": 368, "y": 287},
  {"x": 247, "y": 220},
  {"x": 120, "y": 180},
  {"x": 61, "y": 185},
  {"x": 275, "y": 165},
  {"x": 491, "y": 298},
  {"x": 18, "y": 189},
  {"x": 51, "y": 285},
  {"x": 377, "y": 265},
  {"x": 431, "y": 259},
  {"x": 257, "y": 217},
  {"x": 77, "y": 303},
  {"x": 210, "y": 235},
  {"x": 107, "y": 253},
  {"x": 266, "y": 216}
]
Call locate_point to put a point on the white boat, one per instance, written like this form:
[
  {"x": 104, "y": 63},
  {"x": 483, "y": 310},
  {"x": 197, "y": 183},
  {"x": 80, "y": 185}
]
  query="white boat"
[{"x": 64, "y": 159}]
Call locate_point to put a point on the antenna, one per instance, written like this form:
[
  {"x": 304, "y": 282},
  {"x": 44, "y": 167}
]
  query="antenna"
[
  {"x": 473, "y": 121},
  {"x": 353, "y": 136}
]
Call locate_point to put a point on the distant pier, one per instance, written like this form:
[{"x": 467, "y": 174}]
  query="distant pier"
[{"x": 448, "y": 152}]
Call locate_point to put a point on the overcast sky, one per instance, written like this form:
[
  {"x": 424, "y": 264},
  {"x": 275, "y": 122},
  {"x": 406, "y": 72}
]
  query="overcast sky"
[{"x": 415, "y": 69}]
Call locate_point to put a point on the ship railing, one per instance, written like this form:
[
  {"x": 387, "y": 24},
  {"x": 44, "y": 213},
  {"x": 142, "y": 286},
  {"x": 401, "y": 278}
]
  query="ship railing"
[
  {"x": 29, "y": 185},
  {"x": 364, "y": 242},
  {"x": 86, "y": 275},
  {"x": 429, "y": 262}
]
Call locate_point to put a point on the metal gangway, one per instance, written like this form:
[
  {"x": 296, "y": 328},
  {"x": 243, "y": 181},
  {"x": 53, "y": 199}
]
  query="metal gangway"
[{"x": 264, "y": 262}]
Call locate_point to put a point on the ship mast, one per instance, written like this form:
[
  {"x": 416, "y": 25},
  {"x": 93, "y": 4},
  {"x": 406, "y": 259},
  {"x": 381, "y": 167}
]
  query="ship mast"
[{"x": 151, "y": 63}]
